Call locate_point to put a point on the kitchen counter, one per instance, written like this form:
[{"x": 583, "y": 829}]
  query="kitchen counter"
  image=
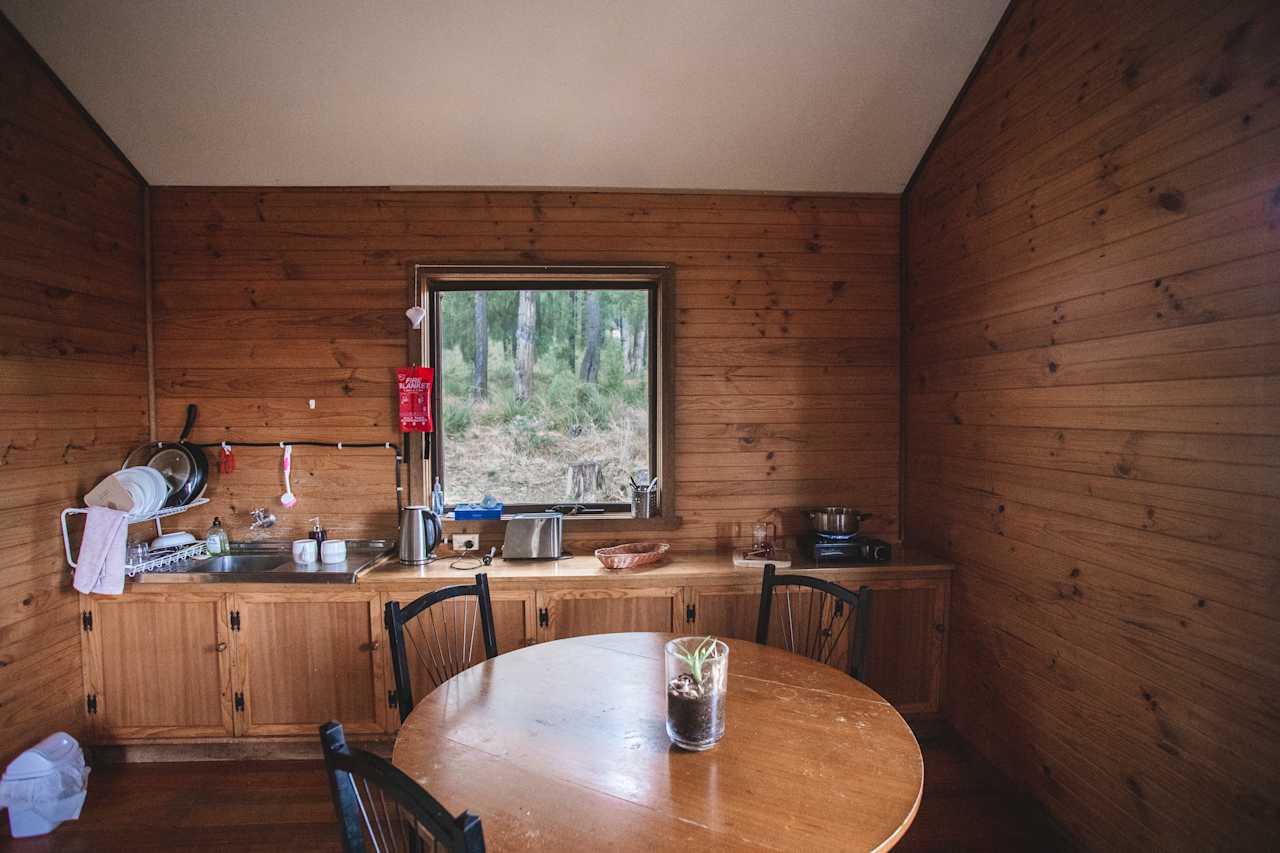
[{"x": 677, "y": 568}]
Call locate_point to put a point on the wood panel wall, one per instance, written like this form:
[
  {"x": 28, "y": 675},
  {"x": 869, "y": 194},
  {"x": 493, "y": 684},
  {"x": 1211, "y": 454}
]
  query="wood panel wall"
[
  {"x": 1093, "y": 424},
  {"x": 786, "y": 346},
  {"x": 73, "y": 373}
]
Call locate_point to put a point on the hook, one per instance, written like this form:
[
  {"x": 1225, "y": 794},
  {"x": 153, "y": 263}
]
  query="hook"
[{"x": 339, "y": 445}]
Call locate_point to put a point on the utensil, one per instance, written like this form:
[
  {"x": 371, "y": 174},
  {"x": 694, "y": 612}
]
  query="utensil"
[
  {"x": 172, "y": 540},
  {"x": 837, "y": 519},
  {"x": 305, "y": 550},
  {"x": 112, "y": 494},
  {"x": 333, "y": 550},
  {"x": 287, "y": 499},
  {"x": 175, "y": 464},
  {"x": 420, "y": 532},
  {"x": 193, "y": 485}
]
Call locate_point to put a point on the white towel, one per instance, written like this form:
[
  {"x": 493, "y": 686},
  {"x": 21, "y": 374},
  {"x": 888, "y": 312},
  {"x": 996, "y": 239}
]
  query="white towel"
[{"x": 101, "y": 565}]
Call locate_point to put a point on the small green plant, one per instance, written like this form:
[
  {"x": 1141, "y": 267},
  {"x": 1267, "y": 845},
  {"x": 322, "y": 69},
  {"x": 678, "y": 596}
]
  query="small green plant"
[
  {"x": 698, "y": 657},
  {"x": 457, "y": 419}
]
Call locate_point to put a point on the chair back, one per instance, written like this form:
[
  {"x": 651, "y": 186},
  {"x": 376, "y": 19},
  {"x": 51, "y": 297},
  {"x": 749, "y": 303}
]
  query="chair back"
[
  {"x": 438, "y": 635},
  {"x": 816, "y": 618},
  {"x": 381, "y": 810}
]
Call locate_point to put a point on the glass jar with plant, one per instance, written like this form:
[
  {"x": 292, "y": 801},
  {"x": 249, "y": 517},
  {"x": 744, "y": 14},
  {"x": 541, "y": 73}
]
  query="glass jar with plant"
[{"x": 697, "y": 683}]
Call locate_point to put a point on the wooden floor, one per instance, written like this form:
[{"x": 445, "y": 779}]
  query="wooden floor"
[{"x": 284, "y": 805}]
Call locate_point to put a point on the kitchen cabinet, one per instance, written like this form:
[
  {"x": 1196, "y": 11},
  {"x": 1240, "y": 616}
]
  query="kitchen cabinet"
[
  {"x": 905, "y": 645},
  {"x": 514, "y": 625},
  {"x": 906, "y": 648},
  {"x": 575, "y": 612},
  {"x": 241, "y": 662},
  {"x": 301, "y": 661},
  {"x": 159, "y": 666}
]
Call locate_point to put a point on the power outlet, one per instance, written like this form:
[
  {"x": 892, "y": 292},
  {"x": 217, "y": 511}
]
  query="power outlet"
[{"x": 466, "y": 542}]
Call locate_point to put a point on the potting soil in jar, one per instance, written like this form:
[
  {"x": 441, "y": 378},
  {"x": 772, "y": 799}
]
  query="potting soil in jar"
[{"x": 695, "y": 712}]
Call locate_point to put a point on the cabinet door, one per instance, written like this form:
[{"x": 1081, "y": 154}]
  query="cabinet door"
[
  {"x": 304, "y": 660},
  {"x": 573, "y": 613},
  {"x": 158, "y": 666},
  {"x": 729, "y": 611},
  {"x": 514, "y": 623},
  {"x": 907, "y": 643}
]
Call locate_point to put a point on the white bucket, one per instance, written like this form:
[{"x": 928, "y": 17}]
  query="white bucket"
[{"x": 44, "y": 786}]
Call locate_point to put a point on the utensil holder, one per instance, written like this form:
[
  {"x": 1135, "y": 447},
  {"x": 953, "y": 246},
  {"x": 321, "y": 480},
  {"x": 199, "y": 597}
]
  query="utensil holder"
[{"x": 643, "y": 502}]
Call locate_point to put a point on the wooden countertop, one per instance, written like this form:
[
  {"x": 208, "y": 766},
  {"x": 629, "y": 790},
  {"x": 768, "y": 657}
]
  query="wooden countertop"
[
  {"x": 676, "y": 569},
  {"x": 568, "y": 572}
]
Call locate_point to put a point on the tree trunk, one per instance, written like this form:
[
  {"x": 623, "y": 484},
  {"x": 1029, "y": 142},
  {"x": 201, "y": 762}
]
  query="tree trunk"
[
  {"x": 586, "y": 479},
  {"x": 591, "y": 345},
  {"x": 480, "y": 369},
  {"x": 526, "y": 322},
  {"x": 639, "y": 355},
  {"x": 627, "y": 367},
  {"x": 573, "y": 331}
]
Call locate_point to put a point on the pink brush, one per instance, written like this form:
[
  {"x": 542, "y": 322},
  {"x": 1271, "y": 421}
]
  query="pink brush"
[{"x": 287, "y": 498}]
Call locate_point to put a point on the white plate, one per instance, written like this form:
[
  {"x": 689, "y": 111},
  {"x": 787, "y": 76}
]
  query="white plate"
[
  {"x": 151, "y": 485},
  {"x": 172, "y": 540}
]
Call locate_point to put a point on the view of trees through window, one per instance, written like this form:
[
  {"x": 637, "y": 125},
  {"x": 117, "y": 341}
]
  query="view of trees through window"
[{"x": 544, "y": 394}]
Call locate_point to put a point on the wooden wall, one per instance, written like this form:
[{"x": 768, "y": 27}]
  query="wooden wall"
[
  {"x": 1093, "y": 423},
  {"x": 73, "y": 375},
  {"x": 786, "y": 348}
]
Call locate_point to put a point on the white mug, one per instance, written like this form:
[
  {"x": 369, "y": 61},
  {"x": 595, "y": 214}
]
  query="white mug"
[
  {"x": 333, "y": 550},
  {"x": 304, "y": 551}
]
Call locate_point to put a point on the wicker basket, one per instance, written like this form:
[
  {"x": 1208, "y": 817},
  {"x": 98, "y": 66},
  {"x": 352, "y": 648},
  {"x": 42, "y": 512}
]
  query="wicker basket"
[{"x": 632, "y": 555}]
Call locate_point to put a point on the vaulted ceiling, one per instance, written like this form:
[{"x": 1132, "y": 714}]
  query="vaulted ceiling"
[{"x": 783, "y": 95}]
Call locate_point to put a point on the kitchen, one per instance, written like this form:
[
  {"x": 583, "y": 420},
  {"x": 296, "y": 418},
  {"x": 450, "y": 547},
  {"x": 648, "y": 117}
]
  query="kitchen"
[{"x": 1040, "y": 354}]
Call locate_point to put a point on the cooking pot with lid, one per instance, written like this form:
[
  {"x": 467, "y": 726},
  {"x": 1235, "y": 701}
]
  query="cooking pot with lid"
[{"x": 839, "y": 520}]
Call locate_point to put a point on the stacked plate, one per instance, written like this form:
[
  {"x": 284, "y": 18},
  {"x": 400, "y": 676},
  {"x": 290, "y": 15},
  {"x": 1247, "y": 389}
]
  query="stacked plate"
[{"x": 139, "y": 490}]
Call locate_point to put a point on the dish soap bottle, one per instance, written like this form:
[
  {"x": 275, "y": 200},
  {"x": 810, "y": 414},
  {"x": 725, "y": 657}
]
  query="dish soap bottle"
[
  {"x": 437, "y": 499},
  {"x": 216, "y": 539},
  {"x": 317, "y": 532}
]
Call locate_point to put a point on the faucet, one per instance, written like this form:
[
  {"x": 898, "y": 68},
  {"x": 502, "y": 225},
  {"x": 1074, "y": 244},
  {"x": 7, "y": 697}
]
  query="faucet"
[{"x": 261, "y": 518}]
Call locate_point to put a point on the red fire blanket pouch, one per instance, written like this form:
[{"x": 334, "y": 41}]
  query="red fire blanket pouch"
[{"x": 415, "y": 398}]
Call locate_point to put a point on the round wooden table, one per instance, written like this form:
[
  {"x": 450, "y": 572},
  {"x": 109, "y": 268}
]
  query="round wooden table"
[{"x": 563, "y": 746}]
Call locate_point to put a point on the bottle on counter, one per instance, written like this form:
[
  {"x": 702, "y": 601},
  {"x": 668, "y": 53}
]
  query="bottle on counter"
[
  {"x": 437, "y": 499},
  {"x": 317, "y": 533},
  {"x": 216, "y": 540}
]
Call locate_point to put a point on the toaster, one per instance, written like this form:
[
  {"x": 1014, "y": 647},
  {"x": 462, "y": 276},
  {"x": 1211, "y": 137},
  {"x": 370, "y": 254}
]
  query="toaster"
[{"x": 533, "y": 536}]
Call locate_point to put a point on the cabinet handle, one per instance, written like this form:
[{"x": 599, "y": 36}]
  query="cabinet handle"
[{"x": 221, "y": 647}]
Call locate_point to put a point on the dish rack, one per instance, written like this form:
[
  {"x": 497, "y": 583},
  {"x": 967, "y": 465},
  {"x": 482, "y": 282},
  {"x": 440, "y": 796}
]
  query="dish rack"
[{"x": 195, "y": 550}]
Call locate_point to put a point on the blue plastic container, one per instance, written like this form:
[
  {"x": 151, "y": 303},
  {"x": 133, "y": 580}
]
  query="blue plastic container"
[{"x": 476, "y": 512}]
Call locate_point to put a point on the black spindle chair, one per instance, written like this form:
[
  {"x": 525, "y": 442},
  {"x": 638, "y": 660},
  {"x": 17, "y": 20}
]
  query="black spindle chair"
[
  {"x": 440, "y": 628},
  {"x": 381, "y": 810},
  {"x": 827, "y": 623}
]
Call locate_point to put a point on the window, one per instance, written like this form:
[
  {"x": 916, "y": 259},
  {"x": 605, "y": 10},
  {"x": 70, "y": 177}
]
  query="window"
[{"x": 546, "y": 389}]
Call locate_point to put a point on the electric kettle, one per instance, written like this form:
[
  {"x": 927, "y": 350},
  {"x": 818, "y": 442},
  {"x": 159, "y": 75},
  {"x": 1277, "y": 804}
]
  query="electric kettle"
[{"x": 420, "y": 533}]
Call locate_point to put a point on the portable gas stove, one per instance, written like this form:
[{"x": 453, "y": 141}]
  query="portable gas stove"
[{"x": 835, "y": 549}]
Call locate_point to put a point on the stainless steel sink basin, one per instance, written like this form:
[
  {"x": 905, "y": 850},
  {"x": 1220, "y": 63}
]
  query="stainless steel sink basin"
[
  {"x": 265, "y": 562},
  {"x": 244, "y": 563}
]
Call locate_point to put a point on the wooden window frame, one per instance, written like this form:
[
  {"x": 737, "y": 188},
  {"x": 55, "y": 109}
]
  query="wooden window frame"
[{"x": 429, "y": 281}]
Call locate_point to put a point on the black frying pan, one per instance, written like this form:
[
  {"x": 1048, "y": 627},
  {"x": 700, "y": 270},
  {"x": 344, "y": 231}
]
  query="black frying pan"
[
  {"x": 184, "y": 465},
  {"x": 194, "y": 487}
]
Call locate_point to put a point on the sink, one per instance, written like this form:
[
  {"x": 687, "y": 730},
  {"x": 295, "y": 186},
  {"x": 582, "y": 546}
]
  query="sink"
[
  {"x": 243, "y": 563},
  {"x": 260, "y": 563}
]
